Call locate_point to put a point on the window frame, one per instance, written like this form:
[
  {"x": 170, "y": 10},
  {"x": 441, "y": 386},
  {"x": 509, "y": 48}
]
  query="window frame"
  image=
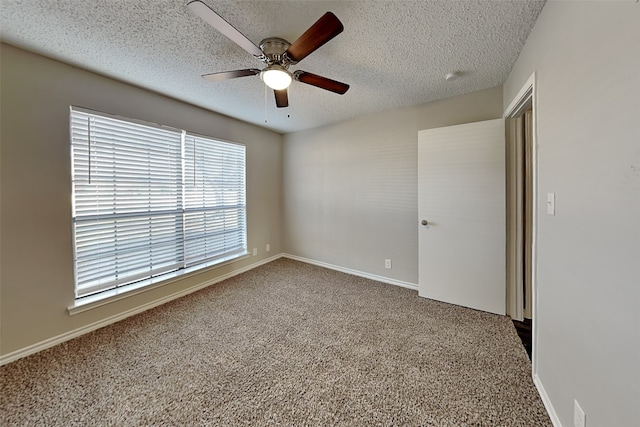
[{"x": 139, "y": 284}]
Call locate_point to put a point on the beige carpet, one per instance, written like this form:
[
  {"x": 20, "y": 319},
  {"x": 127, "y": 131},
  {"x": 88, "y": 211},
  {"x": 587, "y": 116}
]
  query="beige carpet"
[{"x": 286, "y": 344}]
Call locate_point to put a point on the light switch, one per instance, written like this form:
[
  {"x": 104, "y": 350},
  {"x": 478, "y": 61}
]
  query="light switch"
[{"x": 551, "y": 203}]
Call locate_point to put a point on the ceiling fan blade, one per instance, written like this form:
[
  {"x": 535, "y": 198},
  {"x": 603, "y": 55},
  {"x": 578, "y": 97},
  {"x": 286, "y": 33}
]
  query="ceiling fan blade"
[
  {"x": 325, "y": 28},
  {"x": 226, "y": 75},
  {"x": 218, "y": 22},
  {"x": 282, "y": 99},
  {"x": 321, "y": 82}
]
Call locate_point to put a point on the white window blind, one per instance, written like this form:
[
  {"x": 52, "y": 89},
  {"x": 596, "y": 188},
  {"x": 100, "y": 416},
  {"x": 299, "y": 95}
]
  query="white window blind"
[
  {"x": 214, "y": 199},
  {"x": 149, "y": 200}
]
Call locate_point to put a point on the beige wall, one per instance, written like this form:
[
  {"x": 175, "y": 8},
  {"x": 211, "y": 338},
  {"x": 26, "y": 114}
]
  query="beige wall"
[
  {"x": 586, "y": 56},
  {"x": 36, "y": 248},
  {"x": 351, "y": 195}
]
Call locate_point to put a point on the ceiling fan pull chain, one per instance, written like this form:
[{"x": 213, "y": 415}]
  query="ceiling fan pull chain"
[{"x": 265, "y": 103}]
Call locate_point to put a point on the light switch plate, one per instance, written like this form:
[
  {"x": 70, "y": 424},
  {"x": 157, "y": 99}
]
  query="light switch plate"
[{"x": 551, "y": 203}]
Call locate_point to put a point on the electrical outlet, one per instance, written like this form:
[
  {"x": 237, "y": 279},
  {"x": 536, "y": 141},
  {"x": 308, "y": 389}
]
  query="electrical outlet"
[
  {"x": 268, "y": 249},
  {"x": 387, "y": 263},
  {"x": 255, "y": 251},
  {"x": 579, "y": 418}
]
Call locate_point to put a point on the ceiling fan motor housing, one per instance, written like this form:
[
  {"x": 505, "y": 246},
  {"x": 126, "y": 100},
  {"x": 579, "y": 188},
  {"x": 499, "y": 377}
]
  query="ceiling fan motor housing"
[{"x": 273, "y": 49}]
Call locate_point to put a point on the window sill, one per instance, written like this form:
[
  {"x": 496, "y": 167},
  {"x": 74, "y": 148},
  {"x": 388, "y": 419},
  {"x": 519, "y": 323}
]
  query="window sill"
[{"x": 93, "y": 301}]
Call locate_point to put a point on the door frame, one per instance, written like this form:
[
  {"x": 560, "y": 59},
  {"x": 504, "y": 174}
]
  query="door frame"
[{"x": 526, "y": 94}]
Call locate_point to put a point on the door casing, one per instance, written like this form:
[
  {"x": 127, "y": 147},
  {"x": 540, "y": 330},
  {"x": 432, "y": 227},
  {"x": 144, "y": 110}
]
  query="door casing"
[{"x": 527, "y": 97}]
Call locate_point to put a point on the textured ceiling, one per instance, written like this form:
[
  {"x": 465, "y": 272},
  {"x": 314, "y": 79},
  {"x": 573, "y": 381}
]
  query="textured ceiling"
[{"x": 392, "y": 53}]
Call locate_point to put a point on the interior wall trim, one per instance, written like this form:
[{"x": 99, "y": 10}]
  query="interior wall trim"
[
  {"x": 529, "y": 92},
  {"x": 517, "y": 105},
  {"x": 59, "y": 339},
  {"x": 388, "y": 280},
  {"x": 547, "y": 402}
]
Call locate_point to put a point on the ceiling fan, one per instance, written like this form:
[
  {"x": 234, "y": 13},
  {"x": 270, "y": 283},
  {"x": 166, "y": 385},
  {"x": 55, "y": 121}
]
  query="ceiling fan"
[{"x": 277, "y": 53}]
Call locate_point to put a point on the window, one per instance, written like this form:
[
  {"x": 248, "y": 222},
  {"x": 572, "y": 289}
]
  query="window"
[{"x": 149, "y": 201}]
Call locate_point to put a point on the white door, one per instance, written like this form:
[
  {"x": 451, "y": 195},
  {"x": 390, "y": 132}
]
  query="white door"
[{"x": 461, "y": 196}]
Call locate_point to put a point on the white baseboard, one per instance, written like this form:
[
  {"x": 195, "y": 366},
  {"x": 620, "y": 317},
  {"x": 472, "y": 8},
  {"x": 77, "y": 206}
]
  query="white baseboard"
[
  {"x": 58, "y": 339},
  {"x": 50, "y": 342},
  {"x": 375, "y": 277},
  {"x": 547, "y": 402}
]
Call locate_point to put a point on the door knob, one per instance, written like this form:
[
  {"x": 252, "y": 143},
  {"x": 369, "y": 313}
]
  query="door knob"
[{"x": 424, "y": 222}]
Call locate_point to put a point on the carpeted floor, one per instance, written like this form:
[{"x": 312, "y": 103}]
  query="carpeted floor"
[{"x": 287, "y": 344}]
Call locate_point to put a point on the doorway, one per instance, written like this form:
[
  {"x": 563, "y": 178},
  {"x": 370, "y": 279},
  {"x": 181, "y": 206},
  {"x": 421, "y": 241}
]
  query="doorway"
[{"x": 521, "y": 214}]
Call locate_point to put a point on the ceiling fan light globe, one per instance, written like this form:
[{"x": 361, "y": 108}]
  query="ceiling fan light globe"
[{"x": 276, "y": 77}]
